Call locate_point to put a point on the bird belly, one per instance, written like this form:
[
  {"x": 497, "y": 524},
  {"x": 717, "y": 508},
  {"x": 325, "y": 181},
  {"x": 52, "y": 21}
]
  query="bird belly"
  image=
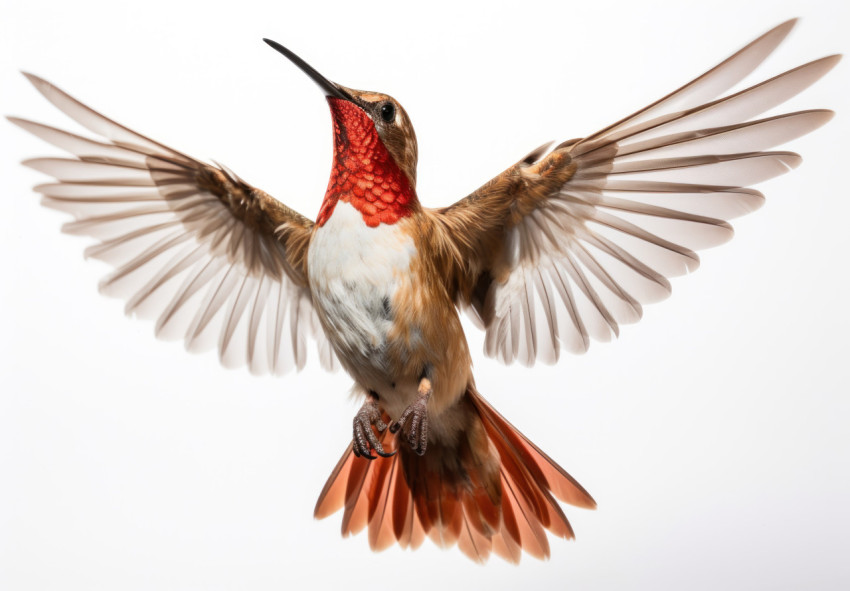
[{"x": 355, "y": 272}]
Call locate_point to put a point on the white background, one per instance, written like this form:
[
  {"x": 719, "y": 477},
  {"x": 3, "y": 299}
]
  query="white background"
[{"x": 714, "y": 434}]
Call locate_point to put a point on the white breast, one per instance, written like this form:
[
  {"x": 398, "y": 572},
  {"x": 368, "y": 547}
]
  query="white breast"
[{"x": 354, "y": 273}]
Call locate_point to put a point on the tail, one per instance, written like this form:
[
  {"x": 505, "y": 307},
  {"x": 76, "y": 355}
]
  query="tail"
[{"x": 489, "y": 491}]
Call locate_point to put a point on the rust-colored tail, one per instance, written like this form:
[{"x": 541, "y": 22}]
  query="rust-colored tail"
[{"x": 489, "y": 491}]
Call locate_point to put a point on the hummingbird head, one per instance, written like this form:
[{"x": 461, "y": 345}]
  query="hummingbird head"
[
  {"x": 391, "y": 122},
  {"x": 375, "y": 151}
]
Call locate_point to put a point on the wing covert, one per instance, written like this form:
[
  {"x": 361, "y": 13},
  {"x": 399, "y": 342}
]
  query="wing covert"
[{"x": 214, "y": 260}]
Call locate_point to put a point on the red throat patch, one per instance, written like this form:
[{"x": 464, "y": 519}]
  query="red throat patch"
[{"x": 364, "y": 173}]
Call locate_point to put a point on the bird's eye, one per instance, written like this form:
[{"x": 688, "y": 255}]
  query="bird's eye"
[{"x": 388, "y": 112}]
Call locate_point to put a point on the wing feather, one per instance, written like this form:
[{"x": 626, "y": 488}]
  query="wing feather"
[
  {"x": 569, "y": 244},
  {"x": 215, "y": 261},
  {"x": 713, "y": 83}
]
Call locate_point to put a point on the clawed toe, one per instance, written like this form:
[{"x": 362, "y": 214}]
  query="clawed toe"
[
  {"x": 417, "y": 414},
  {"x": 365, "y": 439},
  {"x": 418, "y": 436}
]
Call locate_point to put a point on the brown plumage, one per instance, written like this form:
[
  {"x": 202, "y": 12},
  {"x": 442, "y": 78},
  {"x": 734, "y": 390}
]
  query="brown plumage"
[
  {"x": 500, "y": 502},
  {"x": 561, "y": 248}
]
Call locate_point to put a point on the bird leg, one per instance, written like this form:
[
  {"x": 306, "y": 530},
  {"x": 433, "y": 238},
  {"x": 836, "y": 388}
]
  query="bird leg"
[
  {"x": 417, "y": 435},
  {"x": 364, "y": 437}
]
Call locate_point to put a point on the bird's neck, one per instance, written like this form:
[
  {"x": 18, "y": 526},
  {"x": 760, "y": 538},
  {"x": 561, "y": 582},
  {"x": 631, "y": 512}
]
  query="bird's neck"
[{"x": 364, "y": 173}]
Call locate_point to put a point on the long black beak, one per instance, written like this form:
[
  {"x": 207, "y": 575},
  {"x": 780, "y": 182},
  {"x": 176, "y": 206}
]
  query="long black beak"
[{"x": 326, "y": 85}]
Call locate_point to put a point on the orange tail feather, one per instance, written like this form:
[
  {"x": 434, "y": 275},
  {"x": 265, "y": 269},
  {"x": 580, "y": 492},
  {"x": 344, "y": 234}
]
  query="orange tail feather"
[{"x": 491, "y": 491}]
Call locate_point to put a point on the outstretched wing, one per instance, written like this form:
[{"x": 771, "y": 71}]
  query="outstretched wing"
[
  {"x": 568, "y": 244},
  {"x": 214, "y": 260}
]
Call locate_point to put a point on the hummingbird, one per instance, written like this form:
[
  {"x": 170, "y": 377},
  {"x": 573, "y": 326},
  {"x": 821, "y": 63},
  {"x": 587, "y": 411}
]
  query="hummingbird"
[{"x": 562, "y": 248}]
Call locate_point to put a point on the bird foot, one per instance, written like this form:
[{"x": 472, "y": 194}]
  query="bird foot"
[
  {"x": 417, "y": 413},
  {"x": 365, "y": 439}
]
